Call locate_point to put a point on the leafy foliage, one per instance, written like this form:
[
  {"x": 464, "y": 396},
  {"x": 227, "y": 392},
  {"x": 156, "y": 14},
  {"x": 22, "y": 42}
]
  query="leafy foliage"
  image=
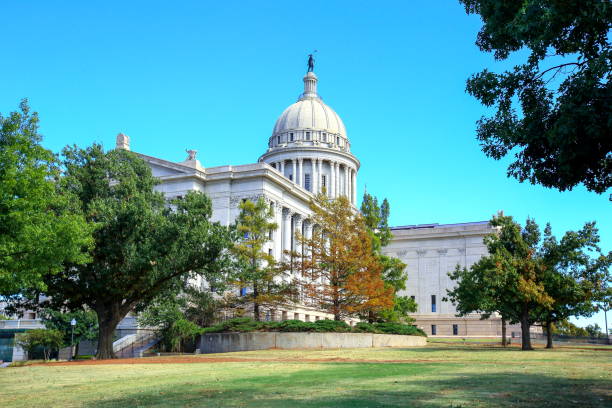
[
  {"x": 245, "y": 324},
  {"x": 144, "y": 245},
  {"x": 40, "y": 227},
  {"x": 553, "y": 111},
  {"x": 527, "y": 279},
  {"x": 86, "y": 327},
  {"x": 268, "y": 285},
  {"x": 377, "y": 222},
  {"x": 48, "y": 340},
  {"x": 342, "y": 276}
]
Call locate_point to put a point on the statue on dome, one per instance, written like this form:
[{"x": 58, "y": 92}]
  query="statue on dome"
[{"x": 311, "y": 62}]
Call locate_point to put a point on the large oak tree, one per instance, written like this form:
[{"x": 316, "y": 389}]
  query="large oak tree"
[
  {"x": 144, "y": 245},
  {"x": 553, "y": 110}
]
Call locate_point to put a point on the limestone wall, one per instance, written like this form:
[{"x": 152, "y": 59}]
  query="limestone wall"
[{"x": 229, "y": 342}]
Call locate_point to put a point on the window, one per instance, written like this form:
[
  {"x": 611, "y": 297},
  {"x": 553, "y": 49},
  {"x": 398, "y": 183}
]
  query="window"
[
  {"x": 284, "y": 315},
  {"x": 455, "y": 329},
  {"x": 307, "y": 181},
  {"x": 338, "y": 141},
  {"x": 291, "y": 137},
  {"x": 433, "y": 303},
  {"x": 291, "y": 177},
  {"x": 317, "y": 318},
  {"x": 270, "y": 233},
  {"x": 323, "y": 180},
  {"x": 277, "y": 139},
  {"x": 433, "y": 329},
  {"x": 324, "y": 137},
  {"x": 296, "y": 316},
  {"x": 270, "y": 252},
  {"x": 307, "y": 135},
  {"x": 307, "y": 318}
]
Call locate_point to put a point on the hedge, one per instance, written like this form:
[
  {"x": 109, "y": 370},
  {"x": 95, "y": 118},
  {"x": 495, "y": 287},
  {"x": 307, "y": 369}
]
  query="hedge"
[{"x": 246, "y": 324}]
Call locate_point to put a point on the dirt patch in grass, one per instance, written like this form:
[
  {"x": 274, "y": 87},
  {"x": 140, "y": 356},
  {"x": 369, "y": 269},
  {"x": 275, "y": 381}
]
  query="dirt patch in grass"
[{"x": 210, "y": 360}]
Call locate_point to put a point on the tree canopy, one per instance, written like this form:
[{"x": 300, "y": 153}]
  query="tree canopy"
[
  {"x": 264, "y": 284},
  {"x": 527, "y": 279},
  {"x": 345, "y": 276},
  {"x": 40, "y": 226},
  {"x": 144, "y": 245},
  {"x": 376, "y": 218},
  {"x": 553, "y": 111}
]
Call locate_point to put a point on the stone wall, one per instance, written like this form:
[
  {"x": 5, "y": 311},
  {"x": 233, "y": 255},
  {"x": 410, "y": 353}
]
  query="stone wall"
[{"x": 229, "y": 342}]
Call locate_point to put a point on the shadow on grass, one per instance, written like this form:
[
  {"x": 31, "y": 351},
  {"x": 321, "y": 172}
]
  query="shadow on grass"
[{"x": 380, "y": 385}]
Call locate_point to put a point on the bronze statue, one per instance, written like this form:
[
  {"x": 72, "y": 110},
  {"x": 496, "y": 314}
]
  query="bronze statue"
[{"x": 310, "y": 63}]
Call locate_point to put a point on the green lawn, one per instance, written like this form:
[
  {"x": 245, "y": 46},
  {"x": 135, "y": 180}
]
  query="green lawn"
[{"x": 439, "y": 375}]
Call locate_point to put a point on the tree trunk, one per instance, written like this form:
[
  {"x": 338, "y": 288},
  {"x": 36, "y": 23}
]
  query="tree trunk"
[
  {"x": 255, "y": 303},
  {"x": 525, "y": 338},
  {"x": 504, "y": 339},
  {"x": 549, "y": 339},
  {"x": 108, "y": 319},
  {"x": 371, "y": 317}
]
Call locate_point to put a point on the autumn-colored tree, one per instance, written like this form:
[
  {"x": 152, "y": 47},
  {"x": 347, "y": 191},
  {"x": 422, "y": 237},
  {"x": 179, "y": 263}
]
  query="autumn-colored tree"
[
  {"x": 261, "y": 282},
  {"x": 344, "y": 275}
]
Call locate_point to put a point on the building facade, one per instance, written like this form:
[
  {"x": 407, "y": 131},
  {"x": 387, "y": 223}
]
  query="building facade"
[{"x": 309, "y": 152}]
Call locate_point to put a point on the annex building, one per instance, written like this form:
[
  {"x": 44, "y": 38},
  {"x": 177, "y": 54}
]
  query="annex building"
[{"x": 308, "y": 151}]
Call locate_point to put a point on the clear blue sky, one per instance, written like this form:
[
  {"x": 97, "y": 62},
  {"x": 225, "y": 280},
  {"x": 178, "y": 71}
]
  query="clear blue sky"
[{"x": 214, "y": 76}]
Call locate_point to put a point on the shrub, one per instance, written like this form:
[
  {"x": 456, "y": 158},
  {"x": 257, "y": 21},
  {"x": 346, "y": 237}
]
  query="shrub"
[
  {"x": 48, "y": 340},
  {"x": 326, "y": 326},
  {"x": 364, "y": 327},
  {"x": 398, "y": 328},
  {"x": 246, "y": 324}
]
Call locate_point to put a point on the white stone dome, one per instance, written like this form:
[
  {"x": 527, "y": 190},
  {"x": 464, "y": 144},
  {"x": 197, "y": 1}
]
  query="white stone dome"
[{"x": 310, "y": 120}]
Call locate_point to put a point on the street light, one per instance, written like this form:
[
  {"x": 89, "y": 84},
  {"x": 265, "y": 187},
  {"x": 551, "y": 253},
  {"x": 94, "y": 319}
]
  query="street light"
[{"x": 73, "y": 323}]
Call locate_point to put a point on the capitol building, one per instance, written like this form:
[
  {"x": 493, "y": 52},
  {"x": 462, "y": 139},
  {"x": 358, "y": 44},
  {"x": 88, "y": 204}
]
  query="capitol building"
[{"x": 308, "y": 152}]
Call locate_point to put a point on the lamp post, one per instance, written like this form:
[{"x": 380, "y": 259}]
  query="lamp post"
[{"x": 73, "y": 323}]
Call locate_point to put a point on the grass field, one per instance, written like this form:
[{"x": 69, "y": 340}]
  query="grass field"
[{"x": 439, "y": 375}]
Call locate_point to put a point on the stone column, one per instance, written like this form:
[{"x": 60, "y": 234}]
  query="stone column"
[
  {"x": 338, "y": 192},
  {"x": 286, "y": 229},
  {"x": 278, "y": 234},
  {"x": 332, "y": 179},
  {"x": 282, "y": 167},
  {"x": 345, "y": 190},
  {"x": 293, "y": 164},
  {"x": 299, "y": 220},
  {"x": 300, "y": 179},
  {"x": 314, "y": 176},
  {"x": 320, "y": 175},
  {"x": 354, "y": 185}
]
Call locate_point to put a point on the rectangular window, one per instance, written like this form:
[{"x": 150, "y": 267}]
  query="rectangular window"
[
  {"x": 291, "y": 137},
  {"x": 296, "y": 316},
  {"x": 323, "y": 181},
  {"x": 307, "y": 318},
  {"x": 307, "y": 135},
  {"x": 291, "y": 177},
  {"x": 270, "y": 234},
  {"x": 455, "y": 329},
  {"x": 270, "y": 252},
  {"x": 277, "y": 139},
  {"x": 433, "y": 329},
  {"x": 284, "y": 315},
  {"x": 317, "y": 318},
  {"x": 324, "y": 137},
  {"x": 338, "y": 141},
  {"x": 433, "y": 303},
  {"x": 307, "y": 181}
]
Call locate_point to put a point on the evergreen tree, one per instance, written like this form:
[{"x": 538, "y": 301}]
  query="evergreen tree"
[
  {"x": 263, "y": 283},
  {"x": 377, "y": 222}
]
